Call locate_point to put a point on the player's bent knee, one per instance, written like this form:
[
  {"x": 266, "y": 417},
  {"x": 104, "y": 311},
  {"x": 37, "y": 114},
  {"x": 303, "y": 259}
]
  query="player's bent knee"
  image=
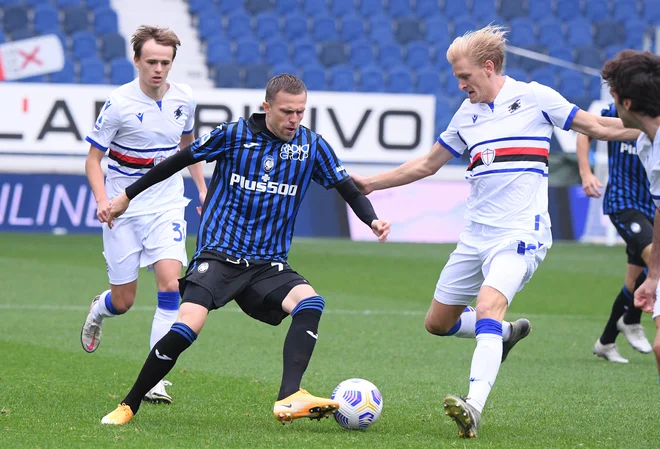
[{"x": 193, "y": 315}]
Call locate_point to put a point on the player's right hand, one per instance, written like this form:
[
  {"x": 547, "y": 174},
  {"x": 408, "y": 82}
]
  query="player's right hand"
[
  {"x": 381, "y": 229},
  {"x": 118, "y": 206},
  {"x": 102, "y": 209},
  {"x": 591, "y": 186},
  {"x": 645, "y": 295},
  {"x": 362, "y": 183}
]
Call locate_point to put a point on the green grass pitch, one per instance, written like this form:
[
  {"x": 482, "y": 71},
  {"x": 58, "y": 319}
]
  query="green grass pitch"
[{"x": 552, "y": 392}]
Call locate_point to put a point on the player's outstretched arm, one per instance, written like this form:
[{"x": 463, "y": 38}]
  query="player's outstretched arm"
[
  {"x": 160, "y": 172},
  {"x": 363, "y": 209},
  {"x": 411, "y": 171},
  {"x": 645, "y": 295},
  {"x": 602, "y": 128},
  {"x": 590, "y": 184}
]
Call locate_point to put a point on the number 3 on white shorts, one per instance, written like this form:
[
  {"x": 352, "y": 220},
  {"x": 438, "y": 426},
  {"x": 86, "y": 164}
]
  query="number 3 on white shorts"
[{"x": 179, "y": 230}]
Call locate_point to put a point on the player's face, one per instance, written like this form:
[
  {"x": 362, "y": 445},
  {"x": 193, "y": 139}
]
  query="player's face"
[
  {"x": 472, "y": 79},
  {"x": 284, "y": 114},
  {"x": 154, "y": 64}
]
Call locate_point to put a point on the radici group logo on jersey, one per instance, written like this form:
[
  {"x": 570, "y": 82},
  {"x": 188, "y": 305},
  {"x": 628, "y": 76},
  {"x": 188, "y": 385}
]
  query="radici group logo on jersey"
[{"x": 290, "y": 151}]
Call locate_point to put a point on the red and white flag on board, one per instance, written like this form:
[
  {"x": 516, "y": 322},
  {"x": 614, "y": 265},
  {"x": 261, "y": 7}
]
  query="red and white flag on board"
[{"x": 31, "y": 57}]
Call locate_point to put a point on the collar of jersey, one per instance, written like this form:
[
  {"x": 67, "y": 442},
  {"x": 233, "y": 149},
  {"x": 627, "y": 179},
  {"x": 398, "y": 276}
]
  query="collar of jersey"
[{"x": 257, "y": 124}]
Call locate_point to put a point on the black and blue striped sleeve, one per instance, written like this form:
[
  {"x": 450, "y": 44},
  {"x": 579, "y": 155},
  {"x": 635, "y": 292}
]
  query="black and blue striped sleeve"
[
  {"x": 328, "y": 169},
  {"x": 211, "y": 145}
]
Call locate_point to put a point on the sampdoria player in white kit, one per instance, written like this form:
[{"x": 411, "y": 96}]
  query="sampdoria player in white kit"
[
  {"x": 142, "y": 123},
  {"x": 634, "y": 80},
  {"x": 506, "y": 126}
]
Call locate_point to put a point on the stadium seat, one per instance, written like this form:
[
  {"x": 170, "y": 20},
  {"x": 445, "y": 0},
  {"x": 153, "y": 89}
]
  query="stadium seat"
[
  {"x": 362, "y": 53},
  {"x": 209, "y": 25},
  {"x": 199, "y": 7},
  {"x": 545, "y": 75},
  {"x": 333, "y": 53},
  {"x": 372, "y": 79},
  {"x": 84, "y": 45},
  {"x": 15, "y": 18},
  {"x": 539, "y": 10},
  {"x": 510, "y": 9},
  {"x": 589, "y": 56},
  {"x": 400, "y": 80},
  {"x": 218, "y": 51},
  {"x": 304, "y": 53},
  {"x": 105, "y": 21},
  {"x": 63, "y": 4},
  {"x": 579, "y": 32},
  {"x": 426, "y": 8},
  {"x": 651, "y": 12},
  {"x": 612, "y": 50},
  {"x": 408, "y": 29},
  {"x": 285, "y": 67},
  {"x": 635, "y": 29},
  {"x": 463, "y": 24},
  {"x": 33, "y": 79},
  {"x": 550, "y": 32},
  {"x": 238, "y": 22},
  {"x": 625, "y": 10},
  {"x": 380, "y": 29},
  {"x": 227, "y": 75},
  {"x": 314, "y": 77},
  {"x": 418, "y": 54},
  {"x": 3, "y": 38},
  {"x": 517, "y": 74},
  {"x": 369, "y": 8},
  {"x": 389, "y": 54},
  {"x": 610, "y": 32},
  {"x": 248, "y": 51},
  {"x": 341, "y": 8},
  {"x": 324, "y": 29},
  {"x": 65, "y": 76},
  {"x": 76, "y": 19},
  {"x": 522, "y": 32},
  {"x": 24, "y": 33},
  {"x": 484, "y": 10},
  {"x": 284, "y": 7},
  {"x": 121, "y": 71},
  {"x": 455, "y": 9},
  {"x": 46, "y": 18},
  {"x": 315, "y": 8},
  {"x": 399, "y": 8},
  {"x": 228, "y": 6},
  {"x": 436, "y": 31},
  {"x": 440, "y": 58},
  {"x": 561, "y": 52},
  {"x": 595, "y": 84},
  {"x": 295, "y": 26},
  {"x": 113, "y": 46},
  {"x": 92, "y": 71},
  {"x": 571, "y": 83},
  {"x": 342, "y": 79},
  {"x": 33, "y": 3},
  {"x": 568, "y": 9},
  {"x": 256, "y": 6},
  {"x": 97, "y": 4},
  {"x": 352, "y": 28},
  {"x": 267, "y": 26},
  {"x": 257, "y": 76},
  {"x": 428, "y": 80},
  {"x": 597, "y": 10},
  {"x": 276, "y": 52}
]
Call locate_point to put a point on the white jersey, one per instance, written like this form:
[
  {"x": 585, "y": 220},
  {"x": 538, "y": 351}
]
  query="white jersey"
[
  {"x": 509, "y": 141},
  {"x": 649, "y": 154},
  {"x": 140, "y": 132}
]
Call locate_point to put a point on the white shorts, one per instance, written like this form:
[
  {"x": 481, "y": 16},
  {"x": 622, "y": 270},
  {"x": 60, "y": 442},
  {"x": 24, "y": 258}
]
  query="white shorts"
[
  {"x": 141, "y": 241},
  {"x": 504, "y": 259}
]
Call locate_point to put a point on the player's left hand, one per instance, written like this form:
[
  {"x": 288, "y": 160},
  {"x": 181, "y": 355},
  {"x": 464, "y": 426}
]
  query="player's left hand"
[
  {"x": 118, "y": 206},
  {"x": 645, "y": 295},
  {"x": 202, "y": 198},
  {"x": 381, "y": 229}
]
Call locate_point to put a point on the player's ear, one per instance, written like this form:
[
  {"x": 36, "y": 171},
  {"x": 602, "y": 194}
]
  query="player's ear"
[
  {"x": 627, "y": 103},
  {"x": 489, "y": 66},
  {"x": 266, "y": 107},
  {"x": 135, "y": 61}
]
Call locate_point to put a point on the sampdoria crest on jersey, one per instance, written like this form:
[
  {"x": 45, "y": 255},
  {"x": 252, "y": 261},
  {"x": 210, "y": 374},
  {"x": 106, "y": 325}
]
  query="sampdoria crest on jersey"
[
  {"x": 269, "y": 163},
  {"x": 178, "y": 112},
  {"x": 514, "y": 106},
  {"x": 488, "y": 156},
  {"x": 159, "y": 159}
]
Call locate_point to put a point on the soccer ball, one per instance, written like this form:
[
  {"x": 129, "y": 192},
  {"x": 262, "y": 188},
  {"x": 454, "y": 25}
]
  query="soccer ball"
[{"x": 360, "y": 404}]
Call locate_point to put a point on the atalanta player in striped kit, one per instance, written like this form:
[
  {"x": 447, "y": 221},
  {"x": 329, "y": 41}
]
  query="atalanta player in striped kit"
[
  {"x": 506, "y": 126},
  {"x": 629, "y": 205},
  {"x": 264, "y": 166}
]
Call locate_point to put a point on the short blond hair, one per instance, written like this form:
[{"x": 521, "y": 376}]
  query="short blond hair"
[{"x": 486, "y": 44}]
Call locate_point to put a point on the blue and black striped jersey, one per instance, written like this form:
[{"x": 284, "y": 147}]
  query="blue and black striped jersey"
[
  {"x": 627, "y": 185},
  {"x": 258, "y": 185}
]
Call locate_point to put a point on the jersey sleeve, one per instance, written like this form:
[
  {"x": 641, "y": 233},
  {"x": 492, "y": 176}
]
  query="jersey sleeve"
[
  {"x": 106, "y": 126},
  {"x": 189, "y": 126},
  {"x": 654, "y": 183},
  {"x": 556, "y": 110},
  {"x": 451, "y": 138},
  {"x": 328, "y": 169},
  {"x": 210, "y": 146}
]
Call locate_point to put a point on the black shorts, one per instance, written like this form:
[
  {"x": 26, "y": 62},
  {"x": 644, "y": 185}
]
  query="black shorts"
[
  {"x": 257, "y": 287},
  {"x": 636, "y": 229}
]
